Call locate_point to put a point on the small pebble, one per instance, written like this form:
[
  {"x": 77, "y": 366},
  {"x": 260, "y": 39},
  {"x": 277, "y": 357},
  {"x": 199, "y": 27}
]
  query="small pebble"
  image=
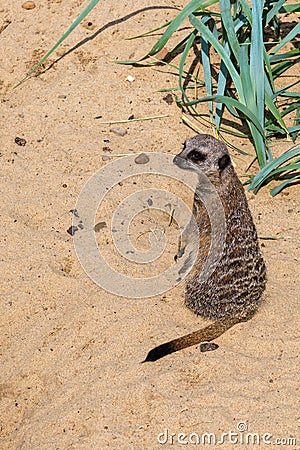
[
  {"x": 72, "y": 230},
  {"x": 106, "y": 158},
  {"x": 75, "y": 212},
  {"x": 208, "y": 347},
  {"x": 118, "y": 131},
  {"x": 130, "y": 78},
  {"x": 99, "y": 226},
  {"x": 20, "y": 141},
  {"x": 142, "y": 159},
  {"x": 62, "y": 96},
  {"x": 28, "y": 5},
  {"x": 168, "y": 99}
]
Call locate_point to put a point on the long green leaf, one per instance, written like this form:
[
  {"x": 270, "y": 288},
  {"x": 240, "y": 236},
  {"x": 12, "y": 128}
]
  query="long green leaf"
[
  {"x": 289, "y": 109},
  {"x": 283, "y": 56},
  {"x": 274, "y": 10},
  {"x": 247, "y": 11},
  {"x": 285, "y": 88},
  {"x": 205, "y": 46},
  {"x": 251, "y": 105},
  {"x": 192, "y": 6},
  {"x": 147, "y": 33},
  {"x": 227, "y": 20},
  {"x": 265, "y": 172},
  {"x": 289, "y": 168},
  {"x": 76, "y": 22},
  {"x": 290, "y": 94},
  {"x": 231, "y": 102},
  {"x": 290, "y": 8},
  {"x": 222, "y": 80},
  {"x": 270, "y": 104},
  {"x": 220, "y": 50},
  {"x": 249, "y": 92},
  {"x": 260, "y": 144},
  {"x": 206, "y": 64},
  {"x": 294, "y": 129},
  {"x": 293, "y": 33},
  {"x": 188, "y": 45},
  {"x": 279, "y": 188},
  {"x": 256, "y": 58},
  {"x": 281, "y": 68}
]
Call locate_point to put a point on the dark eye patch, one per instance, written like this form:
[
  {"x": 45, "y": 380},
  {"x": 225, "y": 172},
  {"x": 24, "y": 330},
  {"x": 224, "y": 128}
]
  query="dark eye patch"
[{"x": 196, "y": 156}]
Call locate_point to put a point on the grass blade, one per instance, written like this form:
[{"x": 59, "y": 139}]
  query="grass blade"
[
  {"x": 233, "y": 103},
  {"x": 222, "y": 80},
  {"x": 220, "y": 50},
  {"x": 76, "y": 22},
  {"x": 266, "y": 171},
  {"x": 289, "y": 168},
  {"x": 188, "y": 45},
  {"x": 287, "y": 38},
  {"x": 283, "y": 56},
  {"x": 281, "y": 91},
  {"x": 256, "y": 58},
  {"x": 147, "y": 33},
  {"x": 272, "y": 108},
  {"x": 290, "y": 8},
  {"x": 274, "y": 10},
  {"x": 205, "y": 47},
  {"x": 286, "y": 183},
  {"x": 225, "y": 7},
  {"x": 192, "y": 6},
  {"x": 281, "y": 68}
]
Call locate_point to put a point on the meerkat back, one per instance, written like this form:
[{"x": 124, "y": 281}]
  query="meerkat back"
[{"x": 232, "y": 291}]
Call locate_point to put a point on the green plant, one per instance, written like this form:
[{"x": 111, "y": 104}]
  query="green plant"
[
  {"x": 245, "y": 84},
  {"x": 248, "y": 65}
]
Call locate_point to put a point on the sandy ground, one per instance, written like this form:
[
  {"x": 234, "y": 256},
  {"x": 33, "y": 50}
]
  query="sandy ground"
[{"x": 71, "y": 376}]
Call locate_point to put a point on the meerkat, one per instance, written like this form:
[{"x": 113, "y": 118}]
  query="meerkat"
[{"x": 232, "y": 292}]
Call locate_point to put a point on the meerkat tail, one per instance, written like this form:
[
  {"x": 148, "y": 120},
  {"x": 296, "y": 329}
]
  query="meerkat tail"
[{"x": 208, "y": 333}]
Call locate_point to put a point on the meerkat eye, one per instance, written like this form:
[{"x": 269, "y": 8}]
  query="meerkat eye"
[
  {"x": 224, "y": 161},
  {"x": 196, "y": 156}
]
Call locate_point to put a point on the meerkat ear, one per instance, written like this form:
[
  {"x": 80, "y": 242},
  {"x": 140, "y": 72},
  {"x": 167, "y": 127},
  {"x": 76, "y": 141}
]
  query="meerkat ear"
[{"x": 223, "y": 162}]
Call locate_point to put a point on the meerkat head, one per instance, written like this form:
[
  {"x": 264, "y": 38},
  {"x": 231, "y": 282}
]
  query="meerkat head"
[{"x": 204, "y": 153}]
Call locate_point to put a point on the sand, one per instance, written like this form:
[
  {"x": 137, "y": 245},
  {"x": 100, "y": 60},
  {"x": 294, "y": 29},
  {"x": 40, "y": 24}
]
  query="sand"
[{"x": 71, "y": 372}]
